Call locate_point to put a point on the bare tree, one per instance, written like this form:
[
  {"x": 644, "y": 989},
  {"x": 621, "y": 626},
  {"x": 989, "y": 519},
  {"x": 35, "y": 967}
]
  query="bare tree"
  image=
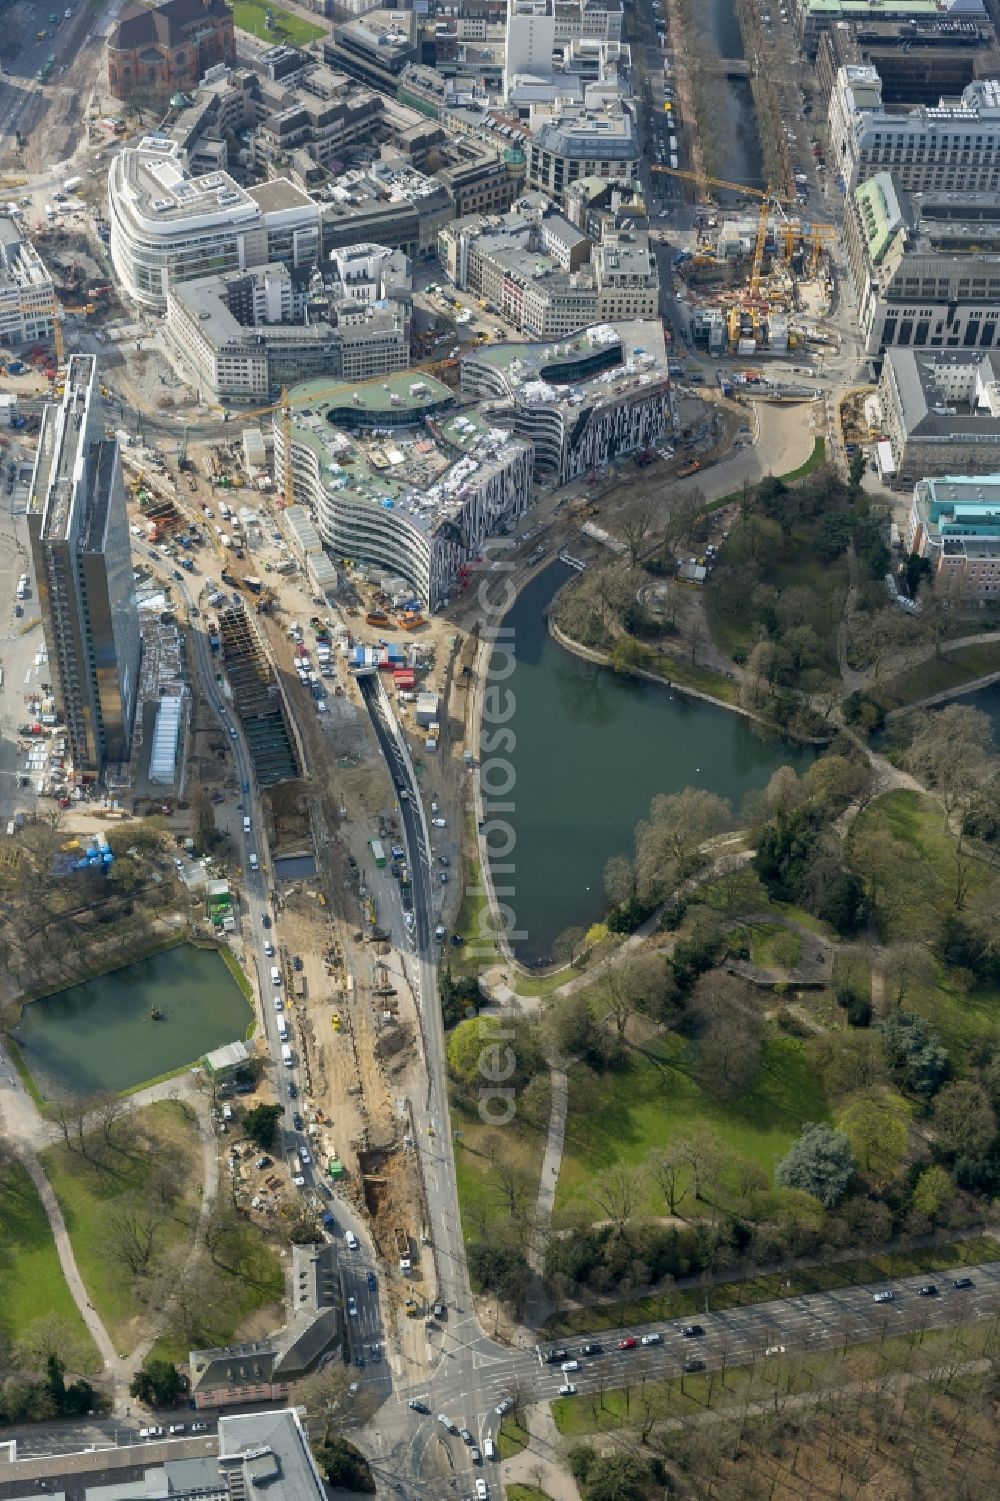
[
  {"x": 703, "y": 1154},
  {"x": 669, "y": 1170},
  {"x": 131, "y": 1237},
  {"x": 618, "y": 1191},
  {"x": 633, "y": 526}
]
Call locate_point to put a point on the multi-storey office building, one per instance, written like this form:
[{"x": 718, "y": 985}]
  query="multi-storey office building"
[
  {"x": 79, "y": 534},
  {"x": 582, "y": 403},
  {"x": 395, "y": 476},
  {"x": 168, "y": 227},
  {"x": 925, "y": 266},
  {"x": 955, "y": 522},
  {"x": 940, "y": 412},
  {"x": 27, "y": 296},
  {"x": 245, "y": 335},
  {"x": 953, "y": 148}
]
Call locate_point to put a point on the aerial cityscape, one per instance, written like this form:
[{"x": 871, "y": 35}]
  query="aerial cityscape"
[{"x": 500, "y": 750}]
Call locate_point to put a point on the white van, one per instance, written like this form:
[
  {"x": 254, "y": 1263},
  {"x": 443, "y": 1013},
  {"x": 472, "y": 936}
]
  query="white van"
[
  {"x": 282, "y": 1029},
  {"x": 246, "y": 825},
  {"x": 286, "y": 1055},
  {"x": 254, "y": 865},
  {"x": 489, "y": 1449},
  {"x": 275, "y": 975}
]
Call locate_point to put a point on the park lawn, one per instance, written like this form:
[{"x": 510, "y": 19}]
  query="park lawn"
[
  {"x": 32, "y": 1285},
  {"x": 523, "y": 1145},
  {"x": 774, "y": 947},
  {"x": 250, "y": 15},
  {"x": 261, "y": 1281},
  {"x": 952, "y": 669},
  {"x": 512, "y": 1438},
  {"x": 542, "y": 985},
  {"x": 918, "y": 820},
  {"x": 620, "y": 1117},
  {"x": 852, "y": 969},
  {"x": 526, "y": 1493},
  {"x": 88, "y": 1197}
]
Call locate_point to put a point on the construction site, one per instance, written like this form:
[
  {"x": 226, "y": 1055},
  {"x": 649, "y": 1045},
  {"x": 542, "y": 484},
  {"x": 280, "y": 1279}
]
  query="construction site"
[{"x": 758, "y": 283}]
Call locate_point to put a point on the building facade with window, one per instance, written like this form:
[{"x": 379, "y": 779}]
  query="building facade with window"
[
  {"x": 78, "y": 527},
  {"x": 925, "y": 266}
]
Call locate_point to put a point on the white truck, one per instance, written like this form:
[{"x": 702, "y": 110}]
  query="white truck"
[{"x": 286, "y": 1055}]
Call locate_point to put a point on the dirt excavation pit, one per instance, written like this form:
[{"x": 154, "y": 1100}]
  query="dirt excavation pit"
[{"x": 392, "y": 1198}]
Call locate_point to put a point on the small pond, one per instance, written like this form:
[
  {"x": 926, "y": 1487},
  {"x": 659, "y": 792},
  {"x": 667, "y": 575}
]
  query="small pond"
[{"x": 100, "y": 1035}]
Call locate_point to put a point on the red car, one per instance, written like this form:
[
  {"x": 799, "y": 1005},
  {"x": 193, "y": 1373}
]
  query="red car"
[{"x": 627, "y": 1344}]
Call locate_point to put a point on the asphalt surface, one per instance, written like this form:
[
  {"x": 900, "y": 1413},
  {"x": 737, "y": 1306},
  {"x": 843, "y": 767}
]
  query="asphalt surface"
[{"x": 366, "y": 1327}]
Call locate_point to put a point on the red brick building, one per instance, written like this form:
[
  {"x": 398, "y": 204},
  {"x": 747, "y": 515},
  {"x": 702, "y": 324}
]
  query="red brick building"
[{"x": 156, "y": 50}]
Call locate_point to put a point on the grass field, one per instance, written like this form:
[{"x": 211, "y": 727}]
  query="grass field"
[
  {"x": 789, "y": 1283},
  {"x": 526, "y": 1493},
  {"x": 251, "y": 16},
  {"x": 512, "y": 1438},
  {"x": 523, "y": 1146},
  {"x": 774, "y": 947},
  {"x": 851, "y": 968},
  {"x": 89, "y": 1198},
  {"x": 260, "y": 1281},
  {"x": 93, "y": 1199},
  {"x": 916, "y": 820},
  {"x": 953, "y": 669},
  {"x": 620, "y": 1117},
  {"x": 32, "y": 1285}
]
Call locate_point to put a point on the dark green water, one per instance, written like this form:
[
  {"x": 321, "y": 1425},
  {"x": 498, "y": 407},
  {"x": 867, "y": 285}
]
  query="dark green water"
[
  {"x": 987, "y": 701},
  {"x": 100, "y": 1035},
  {"x": 592, "y": 750}
]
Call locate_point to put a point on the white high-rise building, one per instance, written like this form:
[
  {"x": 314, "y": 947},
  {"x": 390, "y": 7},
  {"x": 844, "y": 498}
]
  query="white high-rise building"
[{"x": 531, "y": 39}]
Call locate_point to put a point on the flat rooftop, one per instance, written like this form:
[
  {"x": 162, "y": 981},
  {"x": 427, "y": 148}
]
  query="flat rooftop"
[
  {"x": 422, "y": 470},
  {"x": 405, "y": 391},
  {"x": 279, "y": 194},
  {"x": 545, "y": 370},
  {"x": 153, "y": 173}
]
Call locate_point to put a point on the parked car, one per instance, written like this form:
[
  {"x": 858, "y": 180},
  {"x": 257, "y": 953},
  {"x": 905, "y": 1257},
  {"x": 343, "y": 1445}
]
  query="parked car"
[
  {"x": 628, "y": 1343},
  {"x": 555, "y": 1357},
  {"x": 592, "y": 1349},
  {"x": 692, "y": 1331},
  {"x": 962, "y": 1282},
  {"x": 652, "y": 1339},
  {"x": 883, "y": 1297},
  {"x": 352, "y": 1307},
  {"x": 568, "y": 1390}
]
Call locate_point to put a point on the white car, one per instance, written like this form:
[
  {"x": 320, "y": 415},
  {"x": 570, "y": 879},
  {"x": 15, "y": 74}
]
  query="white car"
[
  {"x": 482, "y": 1490},
  {"x": 304, "y": 1157},
  {"x": 570, "y": 1365},
  {"x": 352, "y": 1307},
  {"x": 568, "y": 1390},
  {"x": 298, "y": 1180},
  {"x": 652, "y": 1339},
  {"x": 351, "y": 1240},
  {"x": 279, "y": 1004},
  {"x": 269, "y": 948},
  {"x": 504, "y": 1407},
  {"x": 439, "y": 823}
]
